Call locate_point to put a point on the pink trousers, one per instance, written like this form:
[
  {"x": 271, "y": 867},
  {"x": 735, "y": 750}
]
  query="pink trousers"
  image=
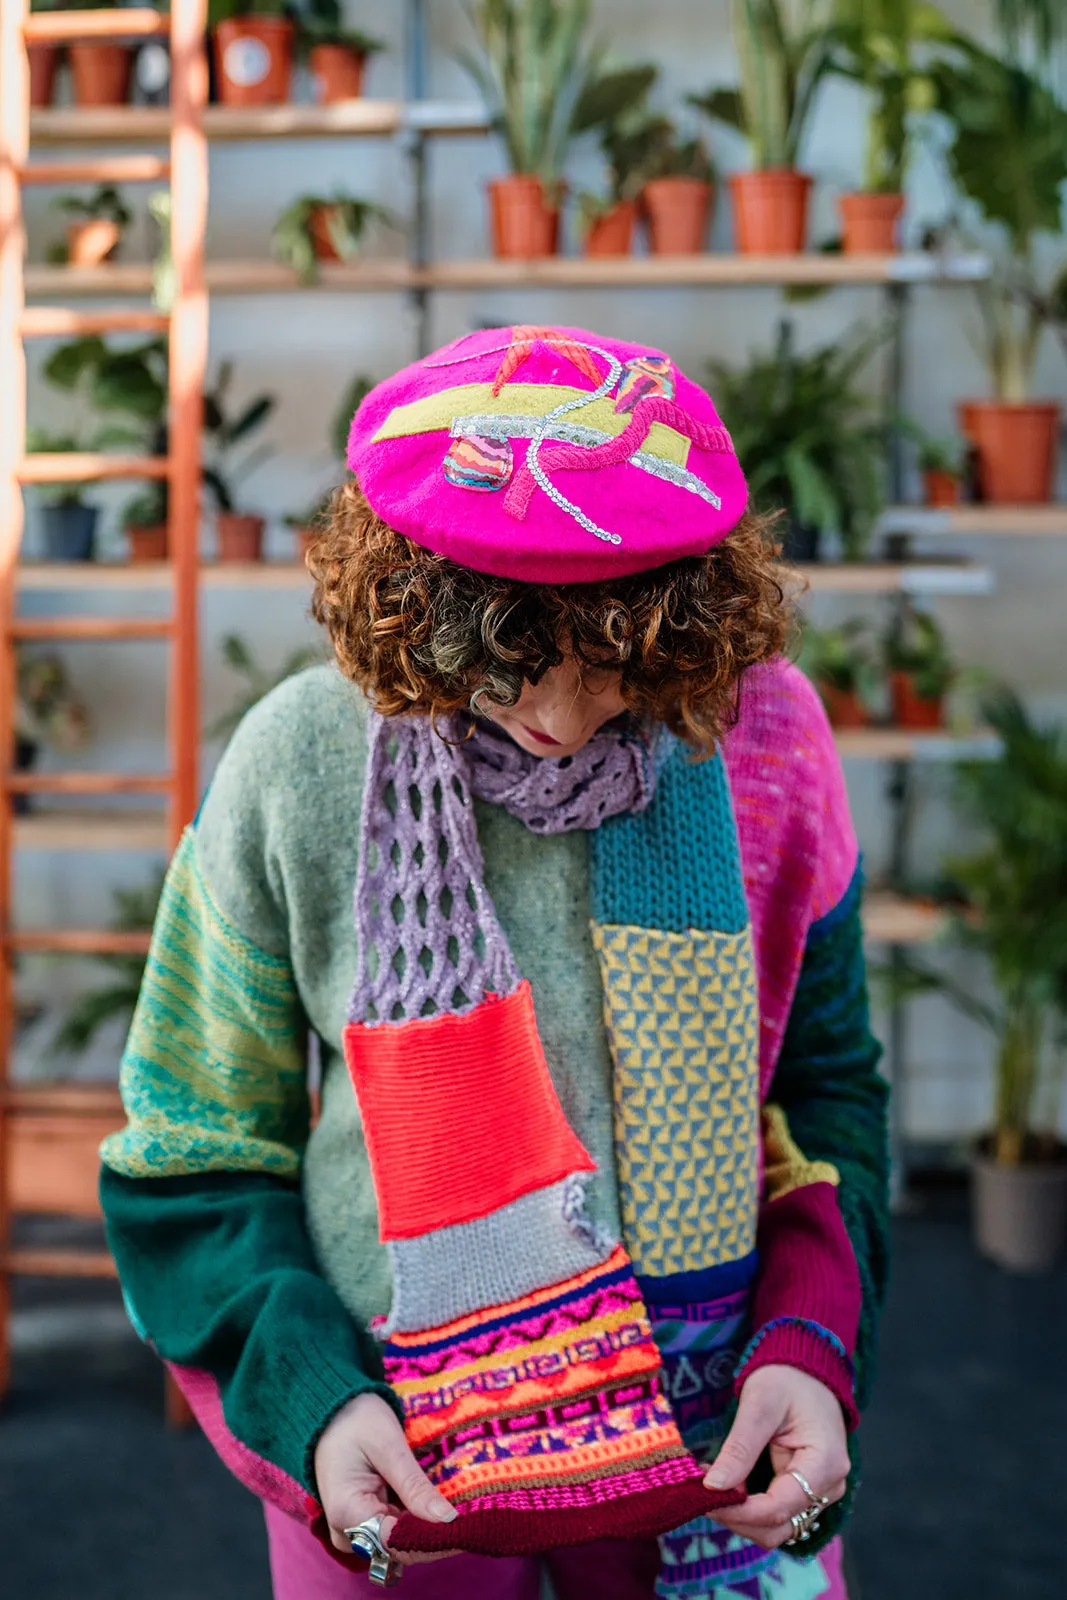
[{"x": 615, "y": 1568}]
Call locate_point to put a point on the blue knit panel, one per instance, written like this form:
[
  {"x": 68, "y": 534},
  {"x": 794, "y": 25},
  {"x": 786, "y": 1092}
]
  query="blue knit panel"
[{"x": 677, "y": 865}]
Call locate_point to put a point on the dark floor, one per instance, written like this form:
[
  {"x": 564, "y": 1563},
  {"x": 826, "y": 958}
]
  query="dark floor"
[{"x": 966, "y": 1449}]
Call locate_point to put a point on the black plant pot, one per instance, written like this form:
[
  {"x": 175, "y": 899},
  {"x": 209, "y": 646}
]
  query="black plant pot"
[
  {"x": 25, "y": 756},
  {"x": 800, "y": 542},
  {"x": 69, "y": 531}
]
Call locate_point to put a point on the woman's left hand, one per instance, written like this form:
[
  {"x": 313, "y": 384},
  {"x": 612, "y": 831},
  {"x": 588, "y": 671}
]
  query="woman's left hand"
[{"x": 801, "y": 1420}]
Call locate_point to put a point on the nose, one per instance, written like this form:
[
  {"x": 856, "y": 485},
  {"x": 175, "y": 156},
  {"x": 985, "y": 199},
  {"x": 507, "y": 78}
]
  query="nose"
[{"x": 566, "y": 711}]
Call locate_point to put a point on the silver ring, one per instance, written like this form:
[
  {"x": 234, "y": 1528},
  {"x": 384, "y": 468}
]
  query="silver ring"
[
  {"x": 816, "y": 1502},
  {"x": 804, "y": 1524},
  {"x": 366, "y": 1540}
]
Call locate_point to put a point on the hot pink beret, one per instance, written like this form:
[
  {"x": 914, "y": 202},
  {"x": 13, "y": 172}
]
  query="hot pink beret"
[{"x": 548, "y": 455}]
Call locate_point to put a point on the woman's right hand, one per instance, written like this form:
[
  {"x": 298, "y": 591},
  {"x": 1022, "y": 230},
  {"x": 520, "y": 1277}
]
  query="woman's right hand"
[{"x": 361, "y": 1456}]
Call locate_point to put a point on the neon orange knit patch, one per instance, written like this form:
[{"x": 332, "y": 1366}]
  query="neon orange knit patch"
[{"x": 476, "y": 1091}]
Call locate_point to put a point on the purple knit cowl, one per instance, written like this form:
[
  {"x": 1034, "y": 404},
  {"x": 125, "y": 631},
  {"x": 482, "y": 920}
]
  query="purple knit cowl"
[{"x": 429, "y": 936}]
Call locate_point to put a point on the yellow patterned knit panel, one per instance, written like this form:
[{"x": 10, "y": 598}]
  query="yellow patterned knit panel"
[{"x": 682, "y": 1016}]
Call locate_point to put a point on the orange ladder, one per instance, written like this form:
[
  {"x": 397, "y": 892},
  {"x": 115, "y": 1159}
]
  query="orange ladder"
[{"x": 71, "y": 1118}]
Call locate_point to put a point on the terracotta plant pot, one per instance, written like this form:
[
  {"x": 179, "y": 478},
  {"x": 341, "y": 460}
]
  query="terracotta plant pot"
[
  {"x": 677, "y": 210},
  {"x": 613, "y": 233},
  {"x": 910, "y": 709},
  {"x": 870, "y": 222},
  {"x": 336, "y": 72},
  {"x": 90, "y": 243},
  {"x": 240, "y": 536},
  {"x": 101, "y": 73},
  {"x": 305, "y": 538},
  {"x": 1020, "y": 1213},
  {"x": 770, "y": 211},
  {"x": 44, "y": 60},
  {"x": 941, "y": 488},
  {"x": 319, "y": 229},
  {"x": 844, "y": 707},
  {"x": 1016, "y": 448},
  {"x": 147, "y": 544},
  {"x": 523, "y": 223},
  {"x": 254, "y": 60}
]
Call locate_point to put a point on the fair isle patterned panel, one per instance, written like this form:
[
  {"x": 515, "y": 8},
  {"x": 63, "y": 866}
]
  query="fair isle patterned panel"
[
  {"x": 682, "y": 1018},
  {"x": 213, "y": 1076}
]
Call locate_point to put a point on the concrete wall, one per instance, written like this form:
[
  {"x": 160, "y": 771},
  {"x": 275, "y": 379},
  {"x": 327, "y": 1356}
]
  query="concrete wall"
[{"x": 305, "y": 348}]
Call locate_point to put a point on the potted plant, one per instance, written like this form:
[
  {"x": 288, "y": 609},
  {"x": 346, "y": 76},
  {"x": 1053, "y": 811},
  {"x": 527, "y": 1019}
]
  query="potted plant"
[
  {"x": 307, "y": 525},
  {"x": 253, "y": 51},
  {"x": 1016, "y": 887},
  {"x": 840, "y": 663},
  {"x": 100, "y": 69},
  {"x": 677, "y": 194},
  {"x": 544, "y": 85},
  {"x": 47, "y": 712},
  {"x": 627, "y": 142},
  {"x": 144, "y": 521},
  {"x": 68, "y": 521},
  {"x": 784, "y": 53},
  {"x": 1008, "y": 152},
  {"x": 941, "y": 465},
  {"x": 240, "y": 658},
  {"x": 240, "y": 533},
  {"x": 877, "y": 44},
  {"x": 810, "y": 438},
  {"x": 135, "y": 912},
  {"x": 44, "y": 63},
  {"x": 318, "y": 228},
  {"x": 919, "y": 667},
  {"x": 336, "y": 56},
  {"x": 95, "y": 231}
]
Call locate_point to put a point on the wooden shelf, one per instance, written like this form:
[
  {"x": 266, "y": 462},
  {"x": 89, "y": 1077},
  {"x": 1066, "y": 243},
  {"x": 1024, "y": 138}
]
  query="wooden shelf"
[
  {"x": 81, "y": 576},
  {"x": 890, "y": 919},
  {"x": 892, "y": 577},
  {"x": 723, "y": 270},
  {"x": 222, "y": 124},
  {"x": 907, "y": 744},
  {"x": 960, "y": 520},
  {"x": 55, "y": 1132},
  {"x": 56, "y": 830},
  {"x": 79, "y": 942}
]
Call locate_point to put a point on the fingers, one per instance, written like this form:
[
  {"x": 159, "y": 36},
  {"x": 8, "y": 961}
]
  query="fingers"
[
  {"x": 390, "y": 1455},
  {"x": 766, "y": 1518},
  {"x": 758, "y": 1418}
]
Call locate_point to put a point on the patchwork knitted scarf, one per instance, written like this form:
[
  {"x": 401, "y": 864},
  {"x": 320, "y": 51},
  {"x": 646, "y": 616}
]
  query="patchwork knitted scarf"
[{"x": 519, "y": 1339}]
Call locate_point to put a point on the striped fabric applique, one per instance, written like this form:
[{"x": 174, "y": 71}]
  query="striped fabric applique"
[
  {"x": 213, "y": 1076},
  {"x": 478, "y": 461},
  {"x": 682, "y": 1017}
]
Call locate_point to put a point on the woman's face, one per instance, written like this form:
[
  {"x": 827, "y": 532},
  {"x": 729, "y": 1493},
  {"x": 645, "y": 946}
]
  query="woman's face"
[{"x": 561, "y": 713}]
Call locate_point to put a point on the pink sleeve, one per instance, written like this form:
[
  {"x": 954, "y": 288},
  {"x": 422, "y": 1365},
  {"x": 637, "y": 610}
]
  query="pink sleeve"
[{"x": 798, "y": 845}]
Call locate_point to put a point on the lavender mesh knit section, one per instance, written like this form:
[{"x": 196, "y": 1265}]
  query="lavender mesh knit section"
[{"x": 429, "y": 939}]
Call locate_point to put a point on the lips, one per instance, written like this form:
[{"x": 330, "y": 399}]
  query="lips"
[{"x": 538, "y": 736}]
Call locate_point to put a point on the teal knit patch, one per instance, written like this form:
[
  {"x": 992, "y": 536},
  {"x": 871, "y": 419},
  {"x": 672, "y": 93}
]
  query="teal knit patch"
[{"x": 677, "y": 865}]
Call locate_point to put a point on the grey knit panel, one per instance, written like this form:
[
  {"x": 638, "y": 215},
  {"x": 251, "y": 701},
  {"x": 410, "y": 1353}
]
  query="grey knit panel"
[
  {"x": 539, "y": 1240},
  {"x": 428, "y": 935}
]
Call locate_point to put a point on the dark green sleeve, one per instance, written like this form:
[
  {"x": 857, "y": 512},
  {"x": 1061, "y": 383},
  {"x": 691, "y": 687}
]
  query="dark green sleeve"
[{"x": 828, "y": 1084}]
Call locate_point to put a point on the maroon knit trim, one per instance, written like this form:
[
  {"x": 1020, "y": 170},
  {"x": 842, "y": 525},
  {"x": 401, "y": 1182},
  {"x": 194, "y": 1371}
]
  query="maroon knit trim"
[
  {"x": 527, "y": 1533},
  {"x": 794, "y": 1345}
]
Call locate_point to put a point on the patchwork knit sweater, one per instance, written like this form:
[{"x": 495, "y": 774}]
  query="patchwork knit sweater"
[{"x": 247, "y": 1242}]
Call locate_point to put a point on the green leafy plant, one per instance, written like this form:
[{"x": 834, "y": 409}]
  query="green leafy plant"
[
  {"x": 784, "y": 49},
  {"x": 257, "y": 681},
  {"x": 934, "y": 454},
  {"x": 104, "y": 204},
  {"x": 226, "y": 431},
  {"x": 881, "y": 44},
  {"x": 344, "y": 217},
  {"x": 322, "y": 22},
  {"x": 1008, "y": 153},
  {"x": 350, "y": 401},
  {"x": 147, "y": 509},
  {"x": 135, "y": 911},
  {"x": 810, "y": 437},
  {"x": 915, "y": 643},
  {"x": 47, "y": 710},
  {"x": 222, "y": 10},
  {"x": 1016, "y": 887},
  {"x": 839, "y": 658},
  {"x": 544, "y": 81}
]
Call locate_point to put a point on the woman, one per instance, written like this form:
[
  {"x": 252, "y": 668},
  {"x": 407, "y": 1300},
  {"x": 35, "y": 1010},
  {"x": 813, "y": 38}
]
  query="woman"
[{"x": 590, "y": 1188}]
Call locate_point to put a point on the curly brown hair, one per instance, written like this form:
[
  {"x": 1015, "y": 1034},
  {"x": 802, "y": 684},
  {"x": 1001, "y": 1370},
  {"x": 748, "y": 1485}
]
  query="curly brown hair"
[{"x": 420, "y": 634}]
